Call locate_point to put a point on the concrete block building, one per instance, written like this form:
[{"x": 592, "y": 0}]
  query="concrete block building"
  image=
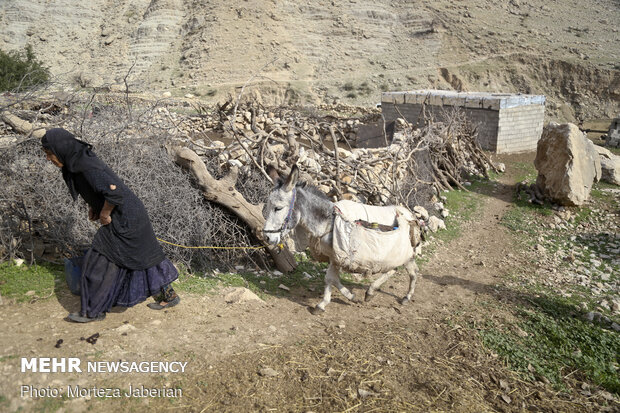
[{"x": 507, "y": 123}]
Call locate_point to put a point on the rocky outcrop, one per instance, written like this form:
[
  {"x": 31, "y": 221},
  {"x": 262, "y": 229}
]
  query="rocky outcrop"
[
  {"x": 156, "y": 34},
  {"x": 610, "y": 165},
  {"x": 567, "y": 164}
]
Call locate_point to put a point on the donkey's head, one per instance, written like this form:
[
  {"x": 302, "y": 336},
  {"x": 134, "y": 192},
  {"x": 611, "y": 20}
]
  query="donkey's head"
[{"x": 279, "y": 212}]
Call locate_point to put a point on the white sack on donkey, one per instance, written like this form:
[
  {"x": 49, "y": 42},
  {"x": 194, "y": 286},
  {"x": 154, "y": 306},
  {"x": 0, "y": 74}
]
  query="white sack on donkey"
[{"x": 354, "y": 237}]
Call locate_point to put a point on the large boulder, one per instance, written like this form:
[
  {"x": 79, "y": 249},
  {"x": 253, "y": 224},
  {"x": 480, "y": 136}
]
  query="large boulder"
[
  {"x": 610, "y": 165},
  {"x": 567, "y": 164}
]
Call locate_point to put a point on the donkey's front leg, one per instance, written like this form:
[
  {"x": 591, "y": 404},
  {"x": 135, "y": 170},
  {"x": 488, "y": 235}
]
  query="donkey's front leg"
[
  {"x": 376, "y": 284},
  {"x": 411, "y": 267},
  {"x": 332, "y": 279}
]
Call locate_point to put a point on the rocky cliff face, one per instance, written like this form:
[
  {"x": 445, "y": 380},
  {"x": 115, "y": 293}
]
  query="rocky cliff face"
[{"x": 321, "y": 50}]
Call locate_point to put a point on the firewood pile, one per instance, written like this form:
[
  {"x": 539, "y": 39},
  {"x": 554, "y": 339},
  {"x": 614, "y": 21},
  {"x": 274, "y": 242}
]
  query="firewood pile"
[{"x": 439, "y": 156}]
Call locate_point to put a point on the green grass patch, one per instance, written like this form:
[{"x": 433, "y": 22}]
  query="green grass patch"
[
  {"x": 5, "y": 358},
  {"x": 463, "y": 206},
  {"x": 348, "y": 86},
  {"x": 559, "y": 343},
  {"x": 524, "y": 216},
  {"x": 599, "y": 193},
  {"x": 526, "y": 171},
  {"x": 262, "y": 284},
  {"x": 25, "y": 282}
]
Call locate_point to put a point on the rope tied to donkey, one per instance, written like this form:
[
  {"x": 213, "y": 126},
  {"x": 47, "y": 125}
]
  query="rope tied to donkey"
[
  {"x": 211, "y": 247},
  {"x": 280, "y": 245}
]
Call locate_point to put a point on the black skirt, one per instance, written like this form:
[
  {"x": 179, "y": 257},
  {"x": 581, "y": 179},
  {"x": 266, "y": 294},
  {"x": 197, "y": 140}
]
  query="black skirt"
[{"x": 105, "y": 285}]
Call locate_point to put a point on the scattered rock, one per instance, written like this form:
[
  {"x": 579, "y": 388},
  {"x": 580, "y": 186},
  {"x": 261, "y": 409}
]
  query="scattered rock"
[
  {"x": 125, "y": 328},
  {"x": 610, "y": 165},
  {"x": 506, "y": 398},
  {"x": 421, "y": 212},
  {"x": 521, "y": 333},
  {"x": 268, "y": 372},
  {"x": 434, "y": 224},
  {"x": 241, "y": 295},
  {"x": 365, "y": 393}
]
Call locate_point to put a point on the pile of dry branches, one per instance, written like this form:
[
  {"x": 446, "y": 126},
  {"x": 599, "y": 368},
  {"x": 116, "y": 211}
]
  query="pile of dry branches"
[{"x": 415, "y": 164}]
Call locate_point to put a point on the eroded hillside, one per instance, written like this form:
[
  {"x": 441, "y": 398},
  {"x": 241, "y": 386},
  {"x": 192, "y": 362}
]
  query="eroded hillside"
[{"x": 350, "y": 50}]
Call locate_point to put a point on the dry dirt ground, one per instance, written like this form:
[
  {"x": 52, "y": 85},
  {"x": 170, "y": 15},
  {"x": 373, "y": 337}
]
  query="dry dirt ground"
[{"x": 276, "y": 356}]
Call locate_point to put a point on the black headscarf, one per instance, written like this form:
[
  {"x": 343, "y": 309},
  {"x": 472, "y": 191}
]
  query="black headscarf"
[{"x": 75, "y": 155}]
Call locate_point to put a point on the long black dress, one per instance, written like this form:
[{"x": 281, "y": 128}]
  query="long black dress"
[{"x": 125, "y": 264}]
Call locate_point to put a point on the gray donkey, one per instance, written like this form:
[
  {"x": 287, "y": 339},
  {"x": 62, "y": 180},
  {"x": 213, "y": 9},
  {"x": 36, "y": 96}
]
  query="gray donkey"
[{"x": 336, "y": 236}]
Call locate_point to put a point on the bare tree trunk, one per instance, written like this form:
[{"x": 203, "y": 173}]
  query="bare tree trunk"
[
  {"x": 22, "y": 126},
  {"x": 224, "y": 193}
]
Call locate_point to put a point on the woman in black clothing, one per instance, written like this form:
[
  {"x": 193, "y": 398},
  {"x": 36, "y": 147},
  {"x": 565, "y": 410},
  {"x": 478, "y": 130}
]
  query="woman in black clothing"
[{"x": 125, "y": 263}]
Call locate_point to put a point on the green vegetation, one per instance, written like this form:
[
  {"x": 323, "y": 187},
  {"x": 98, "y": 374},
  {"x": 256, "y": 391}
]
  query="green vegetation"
[
  {"x": 558, "y": 343},
  {"x": 550, "y": 338},
  {"x": 463, "y": 206},
  {"x": 348, "y": 86},
  {"x": 25, "y": 282},
  {"x": 527, "y": 171},
  {"x": 524, "y": 216},
  {"x": 363, "y": 89},
  {"x": 261, "y": 284},
  {"x": 21, "y": 70},
  {"x": 9, "y": 357}
]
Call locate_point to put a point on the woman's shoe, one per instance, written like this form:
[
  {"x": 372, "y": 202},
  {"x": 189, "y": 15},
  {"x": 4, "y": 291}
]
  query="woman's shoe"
[
  {"x": 79, "y": 318},
  {"x": 158, "y": 306}
]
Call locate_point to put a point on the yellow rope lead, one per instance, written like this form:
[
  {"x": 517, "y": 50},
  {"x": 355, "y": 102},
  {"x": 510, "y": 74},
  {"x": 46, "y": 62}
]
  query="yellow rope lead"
[{"x": 211, "y": 247}]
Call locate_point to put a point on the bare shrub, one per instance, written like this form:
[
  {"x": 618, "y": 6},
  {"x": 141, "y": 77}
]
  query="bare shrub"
[
  {"x": 35, "y": 206},
  {"x": 38, "y": 215}
]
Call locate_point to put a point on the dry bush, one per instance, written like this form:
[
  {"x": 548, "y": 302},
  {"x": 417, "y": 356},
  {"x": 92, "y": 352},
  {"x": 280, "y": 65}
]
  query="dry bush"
[
  {"x": 36, "y": 212},
  {"x": 38, "y": 215}
]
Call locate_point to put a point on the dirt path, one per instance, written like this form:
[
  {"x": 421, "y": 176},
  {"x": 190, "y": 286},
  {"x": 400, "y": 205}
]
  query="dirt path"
[{"x": 260, "y": 356}]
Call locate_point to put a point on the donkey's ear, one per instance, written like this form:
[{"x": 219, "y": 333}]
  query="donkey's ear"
[
  {"x": 273, "y": 174},
  {"x": 291, "y": 181}
]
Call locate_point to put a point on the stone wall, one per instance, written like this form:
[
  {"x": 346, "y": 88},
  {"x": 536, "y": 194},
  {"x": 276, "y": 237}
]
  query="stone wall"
[
  {"x": 506, "y": 123},
  {"x": 519, "y": 128}
]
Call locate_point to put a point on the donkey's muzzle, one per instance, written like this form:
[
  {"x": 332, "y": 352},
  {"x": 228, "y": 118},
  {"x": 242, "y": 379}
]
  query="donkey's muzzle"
[{"x": 272, "y": 238}]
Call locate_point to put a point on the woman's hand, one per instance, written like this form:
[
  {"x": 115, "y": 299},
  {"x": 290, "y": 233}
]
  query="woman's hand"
[
  {"x": 91, "y": 215},
  {"x": 104, "y": 215},
  {"x": 105, "y": 219}
]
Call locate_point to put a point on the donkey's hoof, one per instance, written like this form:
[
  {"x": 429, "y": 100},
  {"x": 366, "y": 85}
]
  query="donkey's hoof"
[
  {"x": 368, "y": 297},
  {"x": 316, "y": 310},
  {"x": 404, "y": 301}
]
